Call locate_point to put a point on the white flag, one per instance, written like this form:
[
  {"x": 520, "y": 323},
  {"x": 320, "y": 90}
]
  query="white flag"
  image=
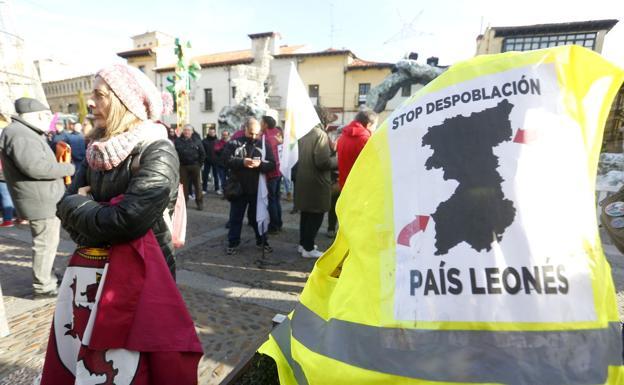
[
  {"x": 262, "y": 199},
  {"x": 300, "y": 118}
]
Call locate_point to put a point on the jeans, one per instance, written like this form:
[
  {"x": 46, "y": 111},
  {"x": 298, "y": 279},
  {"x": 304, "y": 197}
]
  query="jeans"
[
  {"x": 275, "y": 207},
  {"x": 309, "y": 226},
  {"x": 190, "y": 175},
  {"x": 222, "y": 174},
  {"x": 208, "y": 165},
  {"x": 288, "y": 186},
  {"x": 7, "y": 204},
  {"x": 237, "y": 214},
  {"x": 46, "y": 236}
]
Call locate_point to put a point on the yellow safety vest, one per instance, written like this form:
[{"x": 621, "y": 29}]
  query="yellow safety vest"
[{"x": 468, "y": 250}]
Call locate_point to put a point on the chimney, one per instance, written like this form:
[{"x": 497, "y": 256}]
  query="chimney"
[
  {"x": 265, "y": 40},
  {"x": 432, "y": 61}
]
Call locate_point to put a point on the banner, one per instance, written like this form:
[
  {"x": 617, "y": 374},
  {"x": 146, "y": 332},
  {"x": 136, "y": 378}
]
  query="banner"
[
  {"x": 262, "y": 198},
  {"x": 468, "y": 249},
  {"x": 103, "y": 329}
]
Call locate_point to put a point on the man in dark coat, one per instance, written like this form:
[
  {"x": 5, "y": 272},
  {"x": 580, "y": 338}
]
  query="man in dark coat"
[
  {"x": 35, "y": 181},
  {"x": 192, "y": 155},
  {"x": 313, "y": 187},
  {"x": 210, "y": 164},
  {"x": 76, "y": 141},
  {"x": 244, "y": 157}
]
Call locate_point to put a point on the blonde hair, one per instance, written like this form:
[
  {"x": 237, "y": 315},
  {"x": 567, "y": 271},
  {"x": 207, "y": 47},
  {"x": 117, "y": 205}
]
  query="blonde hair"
[
  {"x": 4, "y": 120},
  {"x": 118, "y": 121}
]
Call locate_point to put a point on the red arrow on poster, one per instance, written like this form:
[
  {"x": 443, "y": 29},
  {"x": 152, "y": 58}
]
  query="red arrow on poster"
[
  {"x": 525, "y": 136},
  {"x": 417, "y": 225}
]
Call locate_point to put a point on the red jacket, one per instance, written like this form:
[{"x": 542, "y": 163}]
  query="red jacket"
[{"x": 351, "y": 142}]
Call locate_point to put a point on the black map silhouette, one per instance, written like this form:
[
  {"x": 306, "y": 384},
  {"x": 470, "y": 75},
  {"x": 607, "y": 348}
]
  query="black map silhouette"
[{"x": 478, "y": 212}]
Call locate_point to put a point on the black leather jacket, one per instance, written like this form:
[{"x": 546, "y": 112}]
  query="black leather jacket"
[{"x": 149, "y": 186}]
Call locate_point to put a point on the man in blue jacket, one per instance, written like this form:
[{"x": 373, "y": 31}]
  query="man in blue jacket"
[{"x": 76, "y": 142}]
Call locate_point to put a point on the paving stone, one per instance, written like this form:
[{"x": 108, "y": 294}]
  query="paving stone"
[{"x": 228, "y": 330}]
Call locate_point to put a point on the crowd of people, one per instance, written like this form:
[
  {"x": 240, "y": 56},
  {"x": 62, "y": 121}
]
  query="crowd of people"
[
  {"x": 118, "y": 183},
  {"x": 235, "y": 166},
  {"x": 31, "y": 182}
]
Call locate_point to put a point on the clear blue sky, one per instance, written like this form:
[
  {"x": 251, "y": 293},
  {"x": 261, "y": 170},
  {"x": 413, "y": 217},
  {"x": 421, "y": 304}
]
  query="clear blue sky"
[{"x": 89, "y": 33}]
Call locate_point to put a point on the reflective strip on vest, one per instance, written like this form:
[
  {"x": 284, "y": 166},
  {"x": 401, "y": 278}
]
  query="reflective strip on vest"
[
  {"x": 281, "y": 334},
  {"x": 515, "y": 358}
]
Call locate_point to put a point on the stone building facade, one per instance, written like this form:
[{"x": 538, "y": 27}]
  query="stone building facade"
[
  {"x": 63, "y": 94},
  {"x": 335, "y": 79},
  {"x": 589, "y": 34}
]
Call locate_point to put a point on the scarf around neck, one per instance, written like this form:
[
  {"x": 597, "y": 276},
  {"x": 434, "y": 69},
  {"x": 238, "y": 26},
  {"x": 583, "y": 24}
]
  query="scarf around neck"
[{"x": 107, "y": 154}]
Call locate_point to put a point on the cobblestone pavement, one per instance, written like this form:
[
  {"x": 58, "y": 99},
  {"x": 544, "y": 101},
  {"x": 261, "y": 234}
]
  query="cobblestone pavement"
[{"x": 231, "y": 298}]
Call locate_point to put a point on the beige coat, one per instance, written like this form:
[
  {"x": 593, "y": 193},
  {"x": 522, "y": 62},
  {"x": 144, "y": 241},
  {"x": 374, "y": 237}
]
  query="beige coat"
[{"x": 313, "y": 180}]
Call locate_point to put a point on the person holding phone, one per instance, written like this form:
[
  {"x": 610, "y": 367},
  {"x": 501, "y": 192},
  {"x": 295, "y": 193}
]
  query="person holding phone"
[{"x": 244, "y": 157}]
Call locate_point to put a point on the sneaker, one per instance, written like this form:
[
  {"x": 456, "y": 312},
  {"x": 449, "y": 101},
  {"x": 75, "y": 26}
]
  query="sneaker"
[
  {"x": 7, "y": 224},
  {"x": 300, "y": 248},
  {"x": 289, "y": 197},
  {"x": 331, "y": 233},
  {"x": 219, "y": 192},
  {"x": 231, "y": 250},
  {"x": 267, "y": 248},
  {"x": 192, "y": 196},
  {"x": 21, "y": 221},
  {"x": 46, "y": 294},
  {"x": 311, "y": 254}
]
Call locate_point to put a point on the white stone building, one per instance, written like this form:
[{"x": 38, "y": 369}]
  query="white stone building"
[
  {"x": 336, "y": 79},
  {"x": 223, "y": 74}
]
